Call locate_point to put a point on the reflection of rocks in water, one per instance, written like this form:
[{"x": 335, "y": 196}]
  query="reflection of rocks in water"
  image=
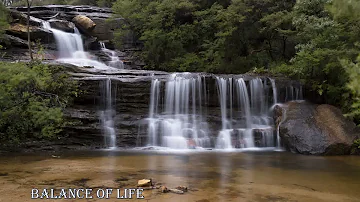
[
  {"x": 184, "y": 159},
  {"x": 80, "y": 182},
  {"x": 202, "y": 200},
  {"x": 4, "y": 174},
  {"x": 270, "y": 198}
]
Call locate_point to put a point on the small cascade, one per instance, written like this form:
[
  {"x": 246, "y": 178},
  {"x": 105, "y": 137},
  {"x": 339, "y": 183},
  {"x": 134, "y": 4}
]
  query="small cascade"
[
  {"x": 71, "y": 49},
  {"x": 115, "y": 61},
  {"x": 224, "y": 91},
  {"x": 253, "y": 115},
  {"x": 275, "y": 94},
  {"x": 293, "y": 93},
  {"x": 107, "y": 113},
  {"x": 178, "y": 122},
  {"x": 283, "y": 118}
]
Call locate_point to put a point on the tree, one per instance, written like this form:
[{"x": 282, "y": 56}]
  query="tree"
[
  {"x": 3, "y": 21},
  {"x": 220, "y": 36},
  {"x": 28, "y": 3},
  {"x": 34, "y": 96}
]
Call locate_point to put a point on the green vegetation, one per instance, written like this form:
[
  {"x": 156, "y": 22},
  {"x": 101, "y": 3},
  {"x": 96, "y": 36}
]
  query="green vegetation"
[
  {"x": 216, "y": 36},
  {"x": 312, "y": 40},
  {"x": 357, "y": 143},
  {"x": 32, "y": 99},
  {"x": 3, "y": 22}
]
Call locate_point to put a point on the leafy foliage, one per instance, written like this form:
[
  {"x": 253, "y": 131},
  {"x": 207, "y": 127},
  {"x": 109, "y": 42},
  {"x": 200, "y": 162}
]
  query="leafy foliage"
[
  {"x": 216, "y": 36},
  {"x": 357, "y": 143},
  {"x": 326, "y": 37},
  {"x": 32, "y": 98},
  {"x": 3, "y": 21}
]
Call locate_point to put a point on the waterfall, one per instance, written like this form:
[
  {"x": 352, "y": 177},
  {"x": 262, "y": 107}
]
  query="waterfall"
[
  {"x": 107, "y": 114},
  {"x": 71, "y": 49},
  {"x": 178, "y": 112},
  {"x": 243, "y": 100},
  {"x": 253, "y": 118},
  {"x": 115, "y": 61},
  {"x": 283, "y": 118},
  {"x": 224, "y": 137},
  {"x": 153, "y": 110},
  {"x": 178, "y": 122},
  {"x": 275, "y": 95}
]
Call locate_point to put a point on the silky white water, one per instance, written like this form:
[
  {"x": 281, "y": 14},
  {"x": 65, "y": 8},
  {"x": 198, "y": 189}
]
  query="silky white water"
[
  {"x": 71, "y": 49},
  {"x": 178, "y": 112},
  {"x": 107, "y": 113},
  {"x": 177, "y": 122},
  {"x": 114, "y": 58},
  {"x": 252, "y": 125}
]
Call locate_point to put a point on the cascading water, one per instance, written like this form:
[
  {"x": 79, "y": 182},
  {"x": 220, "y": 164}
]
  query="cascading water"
[
  {"x": 71, "y": 49},
  {"x": 246, "y": 112},
  {"x": 224, "y": 138},
  {"x": 252, "y": 126},
  {"x": 107, "y": 113},
  {"x": 178, "y": 122},
  {"x": 115, "y": 61}
]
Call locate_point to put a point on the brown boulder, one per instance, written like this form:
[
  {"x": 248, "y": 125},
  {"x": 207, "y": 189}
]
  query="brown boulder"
[
  {"x": 84, "y": 23},
  {"x": 316, "y": 129}
]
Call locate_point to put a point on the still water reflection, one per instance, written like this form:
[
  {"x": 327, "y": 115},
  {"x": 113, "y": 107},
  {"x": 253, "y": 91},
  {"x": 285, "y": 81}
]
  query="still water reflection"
[{"x": 210, "y": 176}]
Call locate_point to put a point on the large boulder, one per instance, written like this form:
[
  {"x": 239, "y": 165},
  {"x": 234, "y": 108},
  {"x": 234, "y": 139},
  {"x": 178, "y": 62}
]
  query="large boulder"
[
  {"x": 84, "y": 23},
  {"x": 62, "y": 25},
  {"x": 36, "y": 33},
  {"x": 315, "y": 129}
]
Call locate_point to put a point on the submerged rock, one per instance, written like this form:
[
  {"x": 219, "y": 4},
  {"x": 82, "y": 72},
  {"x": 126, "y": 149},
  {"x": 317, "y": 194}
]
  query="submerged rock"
[
  {"x": 316, "y": 129},
  {"x": 164, "y": 189},
  {"x": 182, "y": 188},
  {"x": 176, "y": 191}
]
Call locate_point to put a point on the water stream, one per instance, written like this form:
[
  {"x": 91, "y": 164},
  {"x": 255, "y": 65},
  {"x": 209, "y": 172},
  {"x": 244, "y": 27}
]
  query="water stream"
[
  {"x": 108, "y": 113},
  {"x": 71, "y": 50},
  {"x": 178, "y": 123},
  {"x": 115, "y": 61}
]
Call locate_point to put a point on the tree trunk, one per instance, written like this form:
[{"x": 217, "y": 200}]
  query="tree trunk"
[{"x": 28, "y": 29}]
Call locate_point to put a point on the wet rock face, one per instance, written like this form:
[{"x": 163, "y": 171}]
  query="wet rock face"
[
  {"x": 131, "y": 106},
  {"x": 15, "y": 41},
  {"x": 316, "y": 129},
  {"x": 62, "y": 25},
  {"x": 20, "y": 30}
]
